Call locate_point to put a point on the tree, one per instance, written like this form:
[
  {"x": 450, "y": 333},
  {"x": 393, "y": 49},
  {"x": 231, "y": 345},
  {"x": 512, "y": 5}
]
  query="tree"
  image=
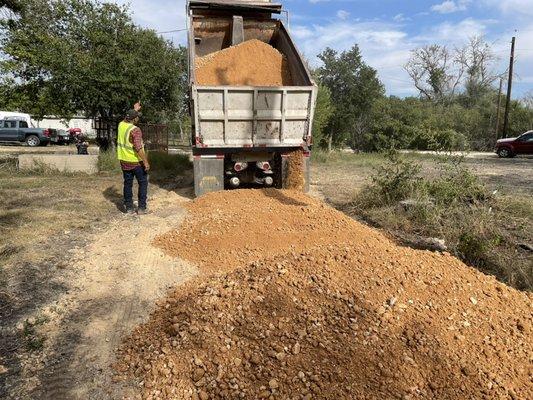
[
  {"x": 528, "y": 100},
  {"x": 434, "y": 73},
  {"x": 323, "y": 111},
  {"x": 11, "y": 5},
  {"x": 354, "y": 86},
  {"x": 476, "y": 59},
  {"x": 70, "y": 56}
]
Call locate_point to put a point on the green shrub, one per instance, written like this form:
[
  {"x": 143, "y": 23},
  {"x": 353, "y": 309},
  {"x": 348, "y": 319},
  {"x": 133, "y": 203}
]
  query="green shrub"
[
  {"x": 108, "y": 162},
  {"x": 456, "y": 184},
  {"x": 395, "y": 180}
]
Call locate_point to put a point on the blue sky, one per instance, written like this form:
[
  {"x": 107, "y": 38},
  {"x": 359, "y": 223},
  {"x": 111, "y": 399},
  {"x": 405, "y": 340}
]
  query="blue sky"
[{"x": 386, "y": 30}]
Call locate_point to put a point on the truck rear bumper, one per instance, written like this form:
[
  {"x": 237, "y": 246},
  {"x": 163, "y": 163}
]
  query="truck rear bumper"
[{"x": 211, "y": 170}]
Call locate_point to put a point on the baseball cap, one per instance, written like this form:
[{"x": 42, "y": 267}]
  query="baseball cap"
[{"x": 132, "y": 114}]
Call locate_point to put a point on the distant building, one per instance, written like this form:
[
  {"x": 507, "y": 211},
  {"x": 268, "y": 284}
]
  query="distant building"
[{"x": 85, "y": 124}]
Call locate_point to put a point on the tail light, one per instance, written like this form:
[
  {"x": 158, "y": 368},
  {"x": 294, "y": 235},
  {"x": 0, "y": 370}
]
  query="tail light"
[{"x": 240, "y": 166}]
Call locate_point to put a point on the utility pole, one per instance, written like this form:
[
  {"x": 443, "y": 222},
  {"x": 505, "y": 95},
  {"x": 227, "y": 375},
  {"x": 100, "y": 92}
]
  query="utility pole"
[
  {"x": 498, "y": 110},
  {"x": 509, "y": 89}
]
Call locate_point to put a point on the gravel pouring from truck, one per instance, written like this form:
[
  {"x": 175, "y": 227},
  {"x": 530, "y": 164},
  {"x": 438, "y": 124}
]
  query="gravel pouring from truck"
[{"x": 244, "y": 134}]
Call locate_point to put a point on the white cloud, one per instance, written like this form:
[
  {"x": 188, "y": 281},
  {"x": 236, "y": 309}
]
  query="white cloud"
[
  {"x": 450, "y": 33},
  {"x": 384, "y": 47},
  {"x": 166, "y": 15},
  {"x": 400, "y": 18},
  {"x": 343, "y": 14},
  {"x": 520, "y": 7},
  {"x": 449, "y": 6}
]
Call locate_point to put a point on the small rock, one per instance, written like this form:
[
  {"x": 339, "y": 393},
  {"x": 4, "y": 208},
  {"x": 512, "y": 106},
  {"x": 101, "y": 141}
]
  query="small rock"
[
  {"x": 473, "y": 300},
  {"x": 198, "y": 361},
  {"x": 203, "y": 395},
  {"x": 175, "y": 329},
  {"x": 237, "y": 361},
  {"x": 296, "y": 348},
  {"x": 198, "y": 374},
  {"x": 273, "y": 384}
]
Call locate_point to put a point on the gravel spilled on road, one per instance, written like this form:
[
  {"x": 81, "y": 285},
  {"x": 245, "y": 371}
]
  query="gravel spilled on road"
[{"x": 298, "y": 301}]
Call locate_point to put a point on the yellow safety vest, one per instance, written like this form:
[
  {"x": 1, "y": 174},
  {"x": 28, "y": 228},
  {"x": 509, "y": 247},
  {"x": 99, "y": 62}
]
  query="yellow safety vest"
[{"x": 125, "y": 150}]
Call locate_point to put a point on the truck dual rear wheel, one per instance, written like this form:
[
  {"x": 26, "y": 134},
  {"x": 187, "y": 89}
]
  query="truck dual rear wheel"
[{"x": 33, "y": 141}]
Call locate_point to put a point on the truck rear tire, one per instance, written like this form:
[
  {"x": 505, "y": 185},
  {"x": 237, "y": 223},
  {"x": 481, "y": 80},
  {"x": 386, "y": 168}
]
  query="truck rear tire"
[{"x": 33, "y": 141}]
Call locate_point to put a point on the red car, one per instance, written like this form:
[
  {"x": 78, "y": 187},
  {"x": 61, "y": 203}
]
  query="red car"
[{"x": 511, "y": 147}]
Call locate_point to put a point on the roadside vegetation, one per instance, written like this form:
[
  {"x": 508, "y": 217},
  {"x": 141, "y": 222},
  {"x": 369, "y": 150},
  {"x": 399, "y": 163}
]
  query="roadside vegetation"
[
  {"x": 453, "y": 210},
  {"x": 455, "y": 108}
]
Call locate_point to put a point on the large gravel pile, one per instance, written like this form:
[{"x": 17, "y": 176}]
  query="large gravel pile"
[
  {"x": 313, "y": 305},
  {"x": 251, "y": 63}
]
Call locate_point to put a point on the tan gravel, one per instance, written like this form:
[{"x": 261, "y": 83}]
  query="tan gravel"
[
  {"x": 251, "y": 63},
  {"x": 298, "y": 301}
]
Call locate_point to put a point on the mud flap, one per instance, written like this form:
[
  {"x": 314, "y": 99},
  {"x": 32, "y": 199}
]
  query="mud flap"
[{"x": 208, "y": 174}]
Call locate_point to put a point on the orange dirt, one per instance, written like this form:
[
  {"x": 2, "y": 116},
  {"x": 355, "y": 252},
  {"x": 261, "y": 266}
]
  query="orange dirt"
[
  {"x": 295, "y": 173},
  {"x": 306, "y": 303},
  {"x": 251, "y": 63}
]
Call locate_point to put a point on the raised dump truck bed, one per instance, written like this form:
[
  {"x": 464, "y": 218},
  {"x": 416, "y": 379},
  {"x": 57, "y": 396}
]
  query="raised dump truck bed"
[{"x": 250, "y": 124}]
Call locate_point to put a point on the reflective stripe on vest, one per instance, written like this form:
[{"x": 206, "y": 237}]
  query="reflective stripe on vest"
[{"x": 125, "y": 150}]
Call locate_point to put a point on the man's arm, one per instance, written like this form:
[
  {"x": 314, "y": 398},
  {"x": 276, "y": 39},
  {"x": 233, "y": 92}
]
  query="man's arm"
[
  {"x": 136, "y": 141},
  {"x": 143, "y": 156}
]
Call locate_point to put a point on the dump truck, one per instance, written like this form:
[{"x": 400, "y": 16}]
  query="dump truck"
[{"x": 244, "y": 135}]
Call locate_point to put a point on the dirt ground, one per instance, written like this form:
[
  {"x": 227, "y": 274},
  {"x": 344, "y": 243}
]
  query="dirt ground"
[
  {"x": 339, "y": 179},
  {"x": 68, "y": 296},
  {"x": 76, "y": 276}
]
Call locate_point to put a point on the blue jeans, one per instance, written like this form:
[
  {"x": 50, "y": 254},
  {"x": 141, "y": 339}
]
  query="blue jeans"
[{"x": 142, "y": 179}]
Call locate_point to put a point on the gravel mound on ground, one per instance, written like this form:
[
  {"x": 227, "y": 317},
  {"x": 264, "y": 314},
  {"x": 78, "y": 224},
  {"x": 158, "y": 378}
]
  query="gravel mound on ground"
[
  {"x": 311, "y": 304},
  {"x": 250, "y": 63}
]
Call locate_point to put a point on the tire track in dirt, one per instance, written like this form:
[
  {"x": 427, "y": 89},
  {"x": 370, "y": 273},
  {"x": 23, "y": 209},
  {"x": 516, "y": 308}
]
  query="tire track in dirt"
[{"x": 117, "y": 278}]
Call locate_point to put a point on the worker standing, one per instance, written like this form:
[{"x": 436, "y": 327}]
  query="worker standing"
[{"x": 133, "y": 160}]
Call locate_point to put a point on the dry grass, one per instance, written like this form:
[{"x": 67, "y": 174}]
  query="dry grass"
[
  {"x": 40, "y": 206},
  {"x": 482, "y": 228}
]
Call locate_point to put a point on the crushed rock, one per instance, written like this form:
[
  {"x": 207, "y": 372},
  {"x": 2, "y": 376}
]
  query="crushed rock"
[
  {"x": 295, "y": 175},
  {"x": 302, "y": 302},
  {"x": 250, "y": 63}
]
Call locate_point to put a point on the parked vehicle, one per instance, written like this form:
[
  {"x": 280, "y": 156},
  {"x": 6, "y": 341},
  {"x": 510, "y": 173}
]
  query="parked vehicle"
[
  {"x": 245, "y": 134},
  {"x": 511, "y": 147},
  {"x": 61, "y": 136},
  {"x": 19, "y": 131},
  {"x": 16, "y": 116}
]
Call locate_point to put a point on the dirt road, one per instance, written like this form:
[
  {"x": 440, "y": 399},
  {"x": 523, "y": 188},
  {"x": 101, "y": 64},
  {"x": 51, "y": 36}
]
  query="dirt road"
[
  {"x": 111, "y": 284},
  {"x": 338, "y": 181}
]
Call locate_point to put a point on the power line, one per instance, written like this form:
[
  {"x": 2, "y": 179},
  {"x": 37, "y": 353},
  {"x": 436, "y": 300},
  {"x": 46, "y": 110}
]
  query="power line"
[{"x": 172, "y": 31}]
